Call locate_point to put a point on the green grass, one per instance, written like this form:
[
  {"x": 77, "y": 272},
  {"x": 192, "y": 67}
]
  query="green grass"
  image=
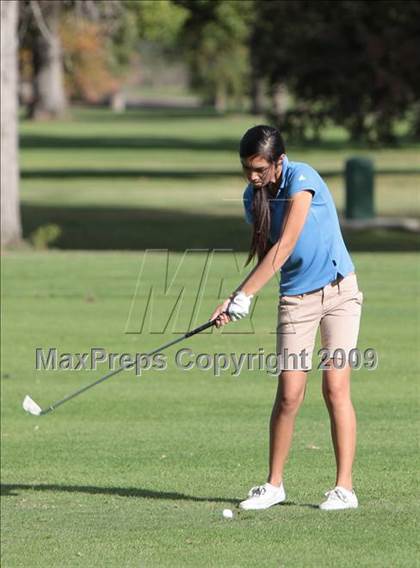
[
  {"x": 137, "y": 471},
  {"x": 101, "y": 176}
]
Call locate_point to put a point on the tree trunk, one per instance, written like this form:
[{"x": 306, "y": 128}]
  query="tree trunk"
[
  {"x": 117, "y": 101},
  {"x": 357, "y": 127},
  {"x": 257, "y": 95},
  {"x": 415, "y": 123},
  {"x": 385, "y": 128},
  {"x": 220, "y": 102},
  {"x": 11, "y": 231},
  {"x": 49, "y": 95},
  {"x": 279, "y": 97}
]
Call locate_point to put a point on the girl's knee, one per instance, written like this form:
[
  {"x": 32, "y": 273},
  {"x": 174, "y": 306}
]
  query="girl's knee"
[
  {"x": 336, "y": 393},
  {"x": 290, "y": 401},
  {"x": 290, "y": 404},
  {"x": 291, "y": 392}
]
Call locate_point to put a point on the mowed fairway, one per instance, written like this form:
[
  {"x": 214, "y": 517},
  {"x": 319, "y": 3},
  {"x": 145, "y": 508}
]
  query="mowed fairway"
[
  {"x": 122, "y": 182},
  {"x": 137, "y": 471}
]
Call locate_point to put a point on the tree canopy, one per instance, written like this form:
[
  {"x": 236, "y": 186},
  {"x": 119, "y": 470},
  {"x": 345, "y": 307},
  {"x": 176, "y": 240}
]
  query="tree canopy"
[
  {"x": 215, "y": 41},
  {"x": 355, "y": 63}
]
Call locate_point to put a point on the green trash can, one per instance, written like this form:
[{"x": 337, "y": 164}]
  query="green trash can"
[{"x": 359, "y": 188}]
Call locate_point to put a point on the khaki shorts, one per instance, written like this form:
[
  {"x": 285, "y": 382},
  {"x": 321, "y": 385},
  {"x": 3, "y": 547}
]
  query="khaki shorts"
[{"x": 336, "y": 309}]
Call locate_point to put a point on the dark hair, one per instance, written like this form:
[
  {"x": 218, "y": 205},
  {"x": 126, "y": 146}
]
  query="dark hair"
[{"x": 266, "y": 142}]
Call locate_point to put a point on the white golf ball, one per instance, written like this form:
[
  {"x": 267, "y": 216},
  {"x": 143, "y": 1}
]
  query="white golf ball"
[{"x": 227, "y": 513}]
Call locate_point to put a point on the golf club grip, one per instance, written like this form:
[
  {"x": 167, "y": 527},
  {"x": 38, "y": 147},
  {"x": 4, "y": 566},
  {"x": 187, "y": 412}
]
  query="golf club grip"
[{"x": 200, "y": 328}]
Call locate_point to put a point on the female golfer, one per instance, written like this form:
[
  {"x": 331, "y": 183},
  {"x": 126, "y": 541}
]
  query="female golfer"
[{"x": 296, "y": 231}]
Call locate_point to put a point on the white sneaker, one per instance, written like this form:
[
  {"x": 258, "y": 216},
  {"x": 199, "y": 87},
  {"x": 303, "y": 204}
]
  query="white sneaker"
[
  {"x": 263, "y": 497},
  {"x": 339, "y": 498}
]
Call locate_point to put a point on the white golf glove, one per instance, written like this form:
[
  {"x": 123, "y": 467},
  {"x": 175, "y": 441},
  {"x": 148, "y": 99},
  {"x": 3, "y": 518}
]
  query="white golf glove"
[{"x": 239, "y": 306}]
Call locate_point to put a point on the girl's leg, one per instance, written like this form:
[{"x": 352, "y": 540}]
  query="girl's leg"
[
  {"x": 336, "y": 391},
  {"x": 339, "y": 334},
  {"x": 290, "y": 394}
]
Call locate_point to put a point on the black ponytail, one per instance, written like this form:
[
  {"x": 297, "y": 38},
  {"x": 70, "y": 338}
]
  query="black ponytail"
[{"x": 266, "y": 142}]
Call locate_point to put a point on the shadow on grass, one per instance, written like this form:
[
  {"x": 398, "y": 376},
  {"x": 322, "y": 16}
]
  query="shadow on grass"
[
  {"x": 127, "y": 173},
  {"x": 146, "y": 113},
  {"x": 167, "y": 115},
  {"x": 118, "y": 142},
  {"x": 226, "y": 144},
  {"x": 10, "y": 490},
  {"x": 90, "y": 228}
]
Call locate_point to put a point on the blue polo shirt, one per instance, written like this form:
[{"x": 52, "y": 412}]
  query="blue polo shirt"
[{"x": 320, "y": 254}]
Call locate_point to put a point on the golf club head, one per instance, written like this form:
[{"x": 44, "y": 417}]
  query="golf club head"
[{"x": 31, "y": 406}]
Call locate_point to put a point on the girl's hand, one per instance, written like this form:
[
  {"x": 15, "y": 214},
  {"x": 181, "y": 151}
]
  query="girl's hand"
[
  {"x": 219, "y": 313},
  {"x": 238, "y": 307},
  {"x": 233, "y": 309}
]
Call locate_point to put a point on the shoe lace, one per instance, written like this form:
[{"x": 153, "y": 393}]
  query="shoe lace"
[
  {"x": 257, "y": 491},
  {"x": 336, "y": 493}
]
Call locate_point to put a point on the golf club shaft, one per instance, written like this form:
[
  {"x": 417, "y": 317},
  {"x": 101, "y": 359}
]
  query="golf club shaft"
[{"x": 124, "y": 367}]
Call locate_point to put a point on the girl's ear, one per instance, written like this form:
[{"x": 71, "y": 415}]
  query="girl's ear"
[{"x": 279, "y": 162}]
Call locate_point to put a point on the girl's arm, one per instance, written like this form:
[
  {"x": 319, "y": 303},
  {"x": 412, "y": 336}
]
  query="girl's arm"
[{"x": 295, "y": 218}]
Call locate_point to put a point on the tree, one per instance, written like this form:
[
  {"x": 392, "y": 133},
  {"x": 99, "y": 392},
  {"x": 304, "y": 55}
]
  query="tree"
[
  {"x": 215, "y": 40},
  {"x": 159, "y": 22},
  {"x": 88, "y": 76},
  {"x": 84, "y": 49},
  {"x": 99, "y": 40},
  {"x": 11, "y": 231},
  {"x": 354, "y": 63},
  {"x": 49, "y": 97},
  {"x": 85, "y": 26}
]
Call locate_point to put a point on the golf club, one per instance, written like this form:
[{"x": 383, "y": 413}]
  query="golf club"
[{"x": 30, "y": 406}]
